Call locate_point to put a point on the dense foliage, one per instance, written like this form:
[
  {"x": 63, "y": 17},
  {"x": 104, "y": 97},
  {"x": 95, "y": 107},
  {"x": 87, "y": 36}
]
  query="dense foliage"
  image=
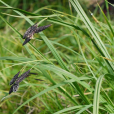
[{"x": 73, "y": 57}]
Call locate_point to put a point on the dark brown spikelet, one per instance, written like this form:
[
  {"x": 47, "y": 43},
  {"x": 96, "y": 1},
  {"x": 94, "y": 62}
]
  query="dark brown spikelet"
[
  {"x": 26, "y": 41},
  {"x": 13, "y": 88},
  {"x": 39, "y": 29},
  {"x": 30, "y": 31},
  {"x": 14, "y": 78},
  {"x": 22, "y": 77}
]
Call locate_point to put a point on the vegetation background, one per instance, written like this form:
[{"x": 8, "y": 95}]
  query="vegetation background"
[{"x": 74, "y": 57}]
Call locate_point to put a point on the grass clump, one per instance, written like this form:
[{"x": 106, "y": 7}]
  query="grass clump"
[{"x": 74, "y": 57}]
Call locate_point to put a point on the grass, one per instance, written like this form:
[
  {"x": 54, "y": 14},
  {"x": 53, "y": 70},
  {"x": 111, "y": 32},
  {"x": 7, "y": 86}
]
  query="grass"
[{"x": 74, "y": 57}]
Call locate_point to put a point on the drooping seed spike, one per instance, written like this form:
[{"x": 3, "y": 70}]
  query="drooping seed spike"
[
  {"x": 30, "y": 31},
  {"x": 14, "y": 78},
  {"x": 39, "y": 29},
  {"x": 22, "y": 77}
]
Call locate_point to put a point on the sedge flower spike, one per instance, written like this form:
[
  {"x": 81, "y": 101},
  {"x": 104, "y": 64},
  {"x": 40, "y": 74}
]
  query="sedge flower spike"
[
  {"x": 32, "y": 30},
  {"x": 17, "y": 80}
]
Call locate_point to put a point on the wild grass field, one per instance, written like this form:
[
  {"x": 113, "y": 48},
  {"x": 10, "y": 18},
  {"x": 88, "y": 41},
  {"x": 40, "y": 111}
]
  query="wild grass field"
[{"x": 74, "y": 58}]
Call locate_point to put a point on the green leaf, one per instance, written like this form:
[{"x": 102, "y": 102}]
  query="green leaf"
[{"x": 97, "y": 95}]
